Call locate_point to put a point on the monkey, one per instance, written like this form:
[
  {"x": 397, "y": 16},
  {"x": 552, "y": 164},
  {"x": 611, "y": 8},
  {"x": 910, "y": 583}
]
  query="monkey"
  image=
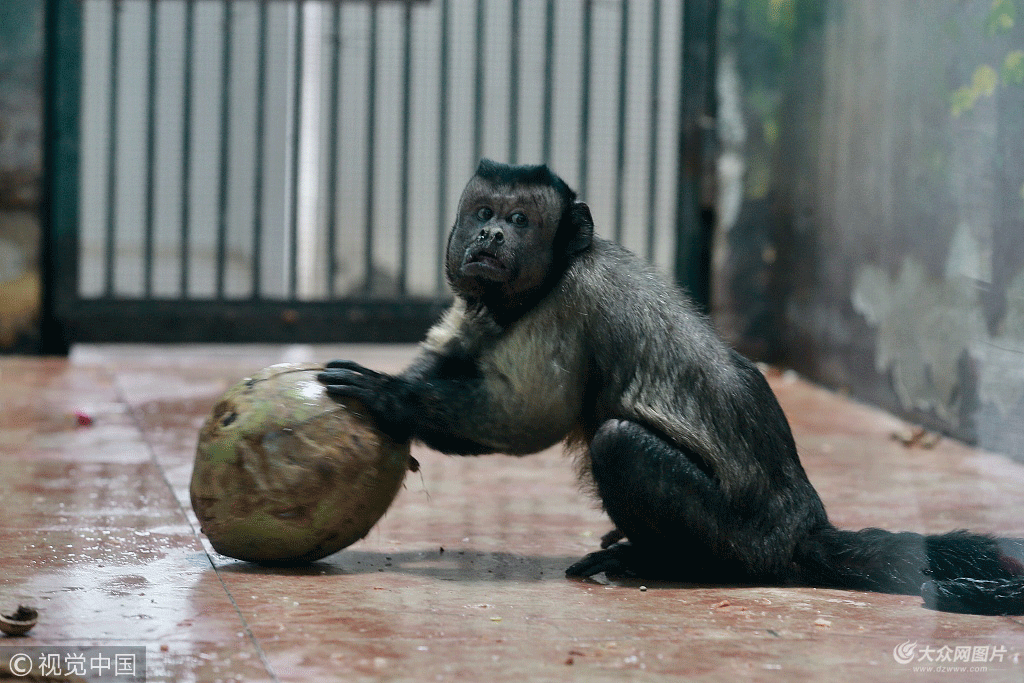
[{"x": 557, "y": 335}]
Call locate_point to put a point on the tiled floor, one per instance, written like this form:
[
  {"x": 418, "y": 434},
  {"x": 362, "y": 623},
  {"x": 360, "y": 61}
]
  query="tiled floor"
[{"x": 463, "y": 579}]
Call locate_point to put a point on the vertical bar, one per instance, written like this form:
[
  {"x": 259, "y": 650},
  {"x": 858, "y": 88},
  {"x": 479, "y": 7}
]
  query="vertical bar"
[
  {"x": 478, "y": 80},
  {"x": 620, "y": 152},
  {"x": 112, "y": 103},
  {"x": 257, "y": 200},
  {"x": 150, "y": 181},
  {"x": 549, "y": 82},
  {"x": 652, "y": 141},
  {"x": 513, "y": 86},
  {"x": 685, "y": 204},
  {"x": 186, "y": 148},
  {"x": 588, "y": 21},
  {"x": 59, "y": 213},
  {"x": 332, "y": 152},
  {"x": 442, "y": 144},
  {"x": 225, "y": 142},
  {"x": 693, "y": 213},
  {"x": 296, "y": 137},
  {"x": 403, "y": 218},
  {"x": 371, "y": 131}
]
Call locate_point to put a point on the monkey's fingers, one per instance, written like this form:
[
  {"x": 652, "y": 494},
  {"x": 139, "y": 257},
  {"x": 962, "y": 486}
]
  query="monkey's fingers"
[
  {"x": 391, "y": 415},
  {"x": 356, "y": 378},
  {"x": 350, "y": 384},
  {"x": 353, "y": 366},
  {"x": 365, "y": 394}
]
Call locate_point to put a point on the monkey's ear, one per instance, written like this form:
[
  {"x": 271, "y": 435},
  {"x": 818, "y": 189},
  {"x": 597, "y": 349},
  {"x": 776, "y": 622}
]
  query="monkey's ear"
[{"x": 583, "y": 228}]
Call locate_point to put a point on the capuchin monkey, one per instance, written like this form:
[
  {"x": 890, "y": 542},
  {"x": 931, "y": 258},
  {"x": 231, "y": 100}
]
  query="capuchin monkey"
[{"x": 558, "y": 335}]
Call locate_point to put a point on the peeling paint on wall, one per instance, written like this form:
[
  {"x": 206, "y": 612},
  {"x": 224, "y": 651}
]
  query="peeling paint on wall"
[
  {"x": 926, "y": 324},
  {"x": 1001, "y": 357},
  {"x": 21, "y": 117},
  {"x": 891, "y": 226}
]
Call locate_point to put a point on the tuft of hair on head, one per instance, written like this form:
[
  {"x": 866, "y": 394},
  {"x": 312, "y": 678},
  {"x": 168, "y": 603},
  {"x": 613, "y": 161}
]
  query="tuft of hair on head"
[{"x": 524, "y": 174}]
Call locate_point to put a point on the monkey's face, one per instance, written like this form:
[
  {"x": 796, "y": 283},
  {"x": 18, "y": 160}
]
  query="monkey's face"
[{"x": 502, "y": 241}]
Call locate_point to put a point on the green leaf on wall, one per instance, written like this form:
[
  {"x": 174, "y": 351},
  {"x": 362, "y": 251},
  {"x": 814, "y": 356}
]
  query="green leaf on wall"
[
  {"x": 1001, "y": 17},
  {"x": 1013, "y": 68},
  {"x": 983, "y": 83}
]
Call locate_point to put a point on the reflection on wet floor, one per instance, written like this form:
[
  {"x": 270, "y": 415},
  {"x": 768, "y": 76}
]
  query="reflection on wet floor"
[{"x": 463, "y": 578}]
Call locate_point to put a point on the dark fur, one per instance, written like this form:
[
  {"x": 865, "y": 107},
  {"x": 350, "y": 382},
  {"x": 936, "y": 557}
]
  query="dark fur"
[{"x": 558, "y": 335}]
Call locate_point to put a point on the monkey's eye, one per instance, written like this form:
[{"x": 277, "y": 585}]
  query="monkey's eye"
[
  {"x": 485, "y": 214},
  {"x": 518, "y": 218}
]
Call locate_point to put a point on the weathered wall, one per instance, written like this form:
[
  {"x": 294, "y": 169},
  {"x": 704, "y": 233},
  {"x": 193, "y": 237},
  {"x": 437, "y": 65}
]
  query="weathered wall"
[
  {"x": 21, "y": 124},
  {"x": 871, "y": 212}
]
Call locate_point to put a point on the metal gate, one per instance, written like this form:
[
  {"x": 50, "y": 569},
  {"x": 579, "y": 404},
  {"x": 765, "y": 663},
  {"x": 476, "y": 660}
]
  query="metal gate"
[{"x": 286, "y": 170}]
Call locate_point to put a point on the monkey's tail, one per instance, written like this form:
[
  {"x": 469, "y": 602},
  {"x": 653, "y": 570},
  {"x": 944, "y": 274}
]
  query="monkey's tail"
[{"x": 953, "y": 572}]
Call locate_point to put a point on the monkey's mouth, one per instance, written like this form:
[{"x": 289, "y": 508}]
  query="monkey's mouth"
[{"x": 484, "y": 264}]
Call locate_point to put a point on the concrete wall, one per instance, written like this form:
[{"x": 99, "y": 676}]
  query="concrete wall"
[
  {"x": 871, "y": 196},
  {"x": 21, "y": 125}
]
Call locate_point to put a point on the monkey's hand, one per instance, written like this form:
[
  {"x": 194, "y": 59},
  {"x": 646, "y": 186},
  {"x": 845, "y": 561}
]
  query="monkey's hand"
[
  {"x": 618, "y": 559},
  {"x": 390, "y": 400}
]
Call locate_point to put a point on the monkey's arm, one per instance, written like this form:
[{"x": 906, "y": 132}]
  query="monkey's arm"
[
  {"x": 429, "y": 401},
  {"x": 477, "y": 388}
]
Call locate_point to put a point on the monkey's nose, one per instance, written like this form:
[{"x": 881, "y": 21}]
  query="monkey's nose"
[{"x": 485, "y": 235}]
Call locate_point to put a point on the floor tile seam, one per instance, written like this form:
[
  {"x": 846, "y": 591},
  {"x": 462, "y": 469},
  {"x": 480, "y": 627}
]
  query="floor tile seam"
[{"x": 139, "y": 423}]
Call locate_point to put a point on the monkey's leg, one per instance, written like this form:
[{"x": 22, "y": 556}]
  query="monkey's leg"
[{"x": 659, "y": 497}]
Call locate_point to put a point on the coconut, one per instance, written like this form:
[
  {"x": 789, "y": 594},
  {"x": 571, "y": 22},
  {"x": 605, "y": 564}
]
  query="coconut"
[{"x": 286, "y": 473}]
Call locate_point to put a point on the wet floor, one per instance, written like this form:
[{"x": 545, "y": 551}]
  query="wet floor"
[{"x": 463, "y": 578}]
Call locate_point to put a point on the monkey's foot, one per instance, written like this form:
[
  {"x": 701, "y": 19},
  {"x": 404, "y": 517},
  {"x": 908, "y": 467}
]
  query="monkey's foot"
[
  {"x": 611, "y": 538},
  {"x": 616, "y": 560}
]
